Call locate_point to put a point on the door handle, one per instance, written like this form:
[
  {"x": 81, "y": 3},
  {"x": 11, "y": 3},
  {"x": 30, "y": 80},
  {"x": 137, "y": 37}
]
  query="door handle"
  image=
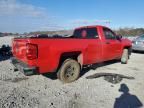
[{"x": 107, "y": 42}]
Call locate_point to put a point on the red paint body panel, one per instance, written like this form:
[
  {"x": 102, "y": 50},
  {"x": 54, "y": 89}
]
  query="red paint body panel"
[{"x": 51, "y": 49}]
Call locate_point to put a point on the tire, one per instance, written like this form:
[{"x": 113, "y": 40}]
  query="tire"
[
  {"x": 69, "y": 71},
  {"x": 125, "y": 56}
]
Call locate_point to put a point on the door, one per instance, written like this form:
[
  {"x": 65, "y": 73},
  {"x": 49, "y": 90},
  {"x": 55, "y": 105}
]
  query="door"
[
  {"x": 111, "y": 46},
  {"x": 93, "y": 50}
]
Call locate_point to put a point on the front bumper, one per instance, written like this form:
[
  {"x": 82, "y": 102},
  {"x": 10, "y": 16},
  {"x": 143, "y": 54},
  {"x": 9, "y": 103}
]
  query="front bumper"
[{"x": 27, "y": 70}]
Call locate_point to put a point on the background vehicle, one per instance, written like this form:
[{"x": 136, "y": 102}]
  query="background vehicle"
[
  {"x": 138, "y": 43},
  {"x": 68, "y": 55}
]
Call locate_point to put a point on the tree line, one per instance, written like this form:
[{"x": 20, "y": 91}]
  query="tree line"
[
  {"x": 8, "y": 34},
  {"x": 130, "y": 31},
  {"x": 122, "y": 31}
]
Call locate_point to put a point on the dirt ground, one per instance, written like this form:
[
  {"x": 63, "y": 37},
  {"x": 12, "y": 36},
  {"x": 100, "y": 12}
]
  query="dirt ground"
[{"x": 44, "y": 91}]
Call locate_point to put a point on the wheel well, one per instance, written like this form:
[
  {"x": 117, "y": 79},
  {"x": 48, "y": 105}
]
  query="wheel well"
[
  {"x": 72, "y": 55},
  {"x": 129, "y": 49}
]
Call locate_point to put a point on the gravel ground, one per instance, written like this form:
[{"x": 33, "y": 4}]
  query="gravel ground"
[
  {"x": 39, "y": 91},
  {"x": 6, "y": 40}
]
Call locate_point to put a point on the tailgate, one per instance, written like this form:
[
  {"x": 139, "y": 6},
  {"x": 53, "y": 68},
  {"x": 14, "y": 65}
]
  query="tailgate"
[{"x": 19, "y": 49}]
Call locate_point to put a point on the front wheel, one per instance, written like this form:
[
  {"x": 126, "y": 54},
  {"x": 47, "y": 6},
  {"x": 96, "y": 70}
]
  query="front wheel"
[
  {"x": 69, "y": 71},
  {"x": 125, "y": 56}
]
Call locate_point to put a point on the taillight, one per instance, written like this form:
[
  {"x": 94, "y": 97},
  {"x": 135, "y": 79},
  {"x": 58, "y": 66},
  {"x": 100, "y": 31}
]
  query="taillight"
[{"x": 31, "y": 51}]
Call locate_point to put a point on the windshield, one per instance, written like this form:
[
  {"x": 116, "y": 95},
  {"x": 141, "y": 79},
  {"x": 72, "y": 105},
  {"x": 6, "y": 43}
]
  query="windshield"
[{"x": 140, "y": 37}]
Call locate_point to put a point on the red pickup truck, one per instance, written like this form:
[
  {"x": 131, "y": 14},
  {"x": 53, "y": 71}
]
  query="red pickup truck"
[{"x": 68, "y": 55}]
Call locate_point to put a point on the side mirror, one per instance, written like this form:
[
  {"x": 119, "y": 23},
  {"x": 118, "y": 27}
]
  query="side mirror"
[{"x": 119, "y": 37}]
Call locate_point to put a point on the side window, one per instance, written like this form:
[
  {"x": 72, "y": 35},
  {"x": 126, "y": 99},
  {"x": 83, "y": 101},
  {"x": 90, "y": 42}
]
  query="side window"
[
  {"x": 86, "y": 33},
  {"x": 109, "y": 34}
]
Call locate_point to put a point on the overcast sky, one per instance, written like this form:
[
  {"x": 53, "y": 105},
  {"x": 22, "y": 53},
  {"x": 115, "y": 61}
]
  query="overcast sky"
[{"x": 33, "y": 15}]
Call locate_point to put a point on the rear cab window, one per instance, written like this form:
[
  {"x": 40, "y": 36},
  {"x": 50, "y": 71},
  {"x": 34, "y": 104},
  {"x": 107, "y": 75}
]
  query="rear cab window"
[{"x": 90, "y": 33}]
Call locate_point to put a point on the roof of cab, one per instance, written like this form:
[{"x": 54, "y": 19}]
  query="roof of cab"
[{"x": 91, "y": 26}]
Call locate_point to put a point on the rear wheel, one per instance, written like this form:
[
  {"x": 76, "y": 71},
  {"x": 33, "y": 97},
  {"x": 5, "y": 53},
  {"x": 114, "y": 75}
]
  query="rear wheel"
[
  {"x": 69, "y": 71},
  {"x": 125, "y": 56}
]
